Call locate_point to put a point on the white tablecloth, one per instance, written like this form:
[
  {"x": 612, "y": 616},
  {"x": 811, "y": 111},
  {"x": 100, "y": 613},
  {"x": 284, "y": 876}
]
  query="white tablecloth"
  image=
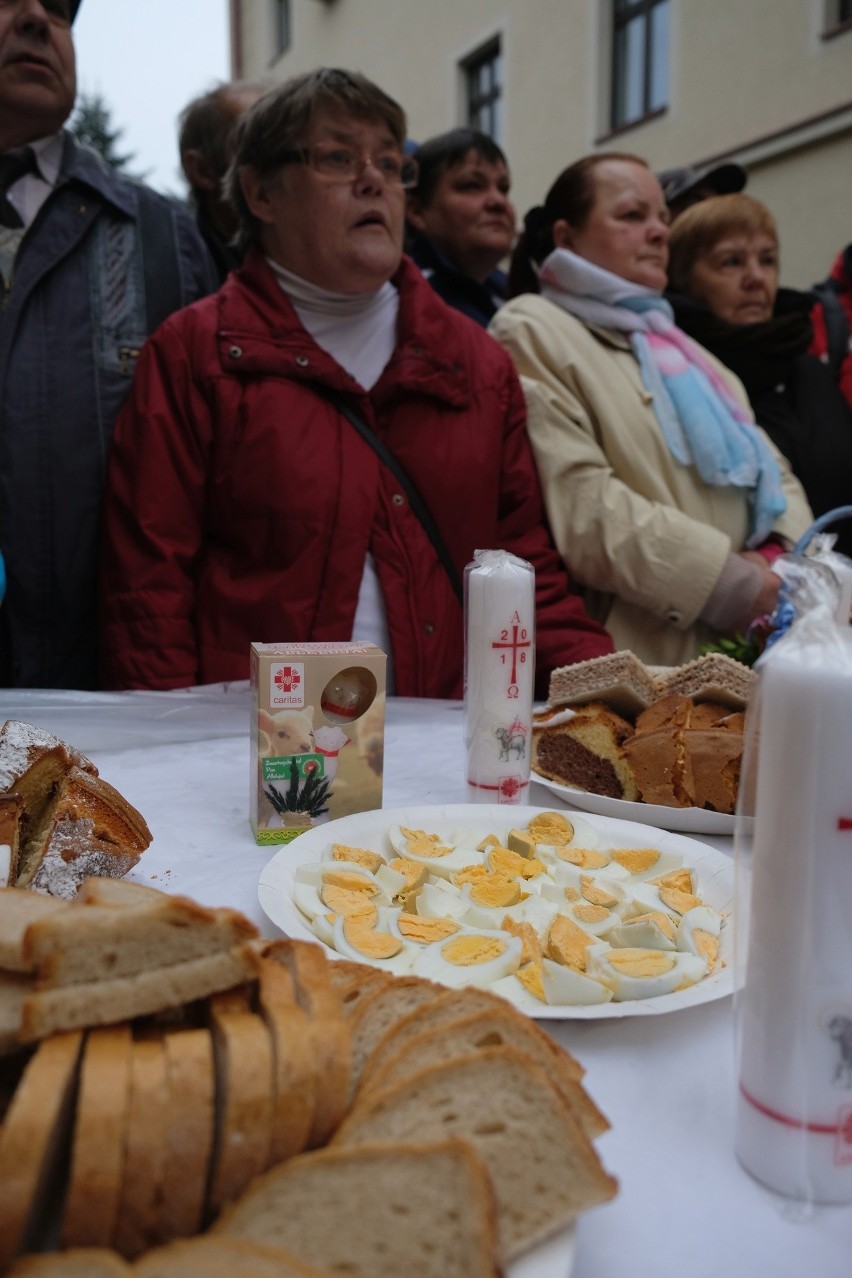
[{"x": 685, "y": 1209}]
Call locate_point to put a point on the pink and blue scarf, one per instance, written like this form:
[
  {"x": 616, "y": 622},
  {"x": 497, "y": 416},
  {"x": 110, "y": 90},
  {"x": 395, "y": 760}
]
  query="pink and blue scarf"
[{"x": 702, "y": 422}]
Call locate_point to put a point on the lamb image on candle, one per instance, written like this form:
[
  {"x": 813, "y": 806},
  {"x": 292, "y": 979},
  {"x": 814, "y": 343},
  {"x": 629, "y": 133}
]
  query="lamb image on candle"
[
  {"x": 840, "y": 1029},
  {"x": 513, "y": 738}
]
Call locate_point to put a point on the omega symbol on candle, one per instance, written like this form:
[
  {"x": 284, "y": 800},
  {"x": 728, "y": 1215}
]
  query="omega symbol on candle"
[{"x": 513, "y": 639}]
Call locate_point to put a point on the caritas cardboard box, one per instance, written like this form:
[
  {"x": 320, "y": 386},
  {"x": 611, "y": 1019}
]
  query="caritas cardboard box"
[{"x": 317, "y": 735}]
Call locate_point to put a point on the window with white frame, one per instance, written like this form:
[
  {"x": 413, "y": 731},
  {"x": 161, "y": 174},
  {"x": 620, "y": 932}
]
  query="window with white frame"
[
  {"x": 483, "y": 77},
  {"x": 640, "y": 60},
  {"x": 280, "y": 27}
]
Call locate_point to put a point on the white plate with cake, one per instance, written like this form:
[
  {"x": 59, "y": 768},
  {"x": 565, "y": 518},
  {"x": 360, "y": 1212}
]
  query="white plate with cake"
[
  {"x": 663, "y": 748},
  {"x": 684, "y": 820},
  {"x": 567, "y": 916}
]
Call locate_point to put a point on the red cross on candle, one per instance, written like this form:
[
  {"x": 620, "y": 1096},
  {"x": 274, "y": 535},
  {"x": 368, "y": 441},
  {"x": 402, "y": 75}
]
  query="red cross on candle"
[
  {"x": 514, "y": 645},
  {"x": 844, "y": 823}
]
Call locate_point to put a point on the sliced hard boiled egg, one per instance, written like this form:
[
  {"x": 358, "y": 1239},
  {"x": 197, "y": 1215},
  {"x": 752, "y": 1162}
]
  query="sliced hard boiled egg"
[
  {"x": 649, "y": 899},
  {"x": 442, "y": 860},
  {"x": 565, "y": 985},
  {"x": 471, "y": 957},
  {"x": 641, "y": 973},
  {"x": 358, "y": 856},
  {"x": 441, "y": 900},
  {"x": 699, "y": 933},
  {"x": 511, "y": 988},
  {"x": 646, "y": 862},
  {"x": 355, "y": 939},
  {"x": 417, "y": 929},
  {"x": 655, "y": 931},
  {"x": 325, "y": 886},
  {"x": 569, "y": 865}
]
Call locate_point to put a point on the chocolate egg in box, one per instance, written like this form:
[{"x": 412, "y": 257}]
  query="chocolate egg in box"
[{"x": 317, "y": 735}]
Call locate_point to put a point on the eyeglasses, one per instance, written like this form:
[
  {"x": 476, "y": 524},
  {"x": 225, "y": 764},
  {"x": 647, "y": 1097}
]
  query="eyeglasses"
[{"x": 341, "y": 164}]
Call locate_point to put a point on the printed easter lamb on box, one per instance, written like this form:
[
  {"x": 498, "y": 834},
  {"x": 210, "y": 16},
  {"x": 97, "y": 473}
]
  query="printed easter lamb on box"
[{"x": 317, "y": 735}]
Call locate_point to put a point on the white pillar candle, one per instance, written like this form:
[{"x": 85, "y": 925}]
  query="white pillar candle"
[
  {"x": 794, "y": 1120},
  {"x": 499, "y": 676}
]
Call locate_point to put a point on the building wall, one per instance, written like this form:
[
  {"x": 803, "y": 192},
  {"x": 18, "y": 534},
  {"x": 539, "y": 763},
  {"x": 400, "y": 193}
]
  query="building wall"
[{"x": 750, "y": 80}]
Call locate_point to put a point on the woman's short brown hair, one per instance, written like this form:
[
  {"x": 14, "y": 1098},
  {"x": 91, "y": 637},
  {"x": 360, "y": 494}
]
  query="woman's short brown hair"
[
  {"x": 279, "y": 120},
  {"x": 700, "y": 228}
]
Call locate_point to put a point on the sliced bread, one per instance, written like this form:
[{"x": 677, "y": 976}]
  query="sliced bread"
[
  {"x": 244, "y": 1097},
  {"x": 379, "y": 1211},
  {"x": 542, "y": 1165},
  {"x": 103, "y": 1002},
  {"x": 189, "y": 1102},
  {"x": 71, "y": 947},
  {"x": 15, "y": 989},
  {"x": 100, "y": 1134},
  {"x": 34, "y": 1139},
  {"x": 294, "y": 1063},
  {"x": 81, "y": 1262},
  {"x": 358, "y": 987},
  {"x": 17, "y": 911},
  {"x": 449, "y": 1005},
  {"x": 381, "y": 1008},
  {"x": 97, "y": 890},
  {"x": 216, "y": 1256},
  {"x": 145, "y": 1158},
  {"x": 498, "y": 1028},
  {"x": 329, "y": 1031}
]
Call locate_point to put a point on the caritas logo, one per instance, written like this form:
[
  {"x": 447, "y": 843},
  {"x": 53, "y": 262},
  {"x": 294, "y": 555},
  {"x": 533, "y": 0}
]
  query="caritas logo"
[{"x": 287, "y": 685}]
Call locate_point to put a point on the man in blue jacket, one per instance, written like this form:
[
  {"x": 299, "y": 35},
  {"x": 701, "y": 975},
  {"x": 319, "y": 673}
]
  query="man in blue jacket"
[{"x": 90, "y": 263}]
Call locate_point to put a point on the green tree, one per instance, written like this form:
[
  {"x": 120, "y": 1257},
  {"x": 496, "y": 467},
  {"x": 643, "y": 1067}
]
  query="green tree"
[{"x": 92, "y": 125}]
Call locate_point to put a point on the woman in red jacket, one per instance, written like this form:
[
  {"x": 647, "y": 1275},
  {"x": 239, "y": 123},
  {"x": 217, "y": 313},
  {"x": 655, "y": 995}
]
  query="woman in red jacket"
[{"x": 243, "y": 505}]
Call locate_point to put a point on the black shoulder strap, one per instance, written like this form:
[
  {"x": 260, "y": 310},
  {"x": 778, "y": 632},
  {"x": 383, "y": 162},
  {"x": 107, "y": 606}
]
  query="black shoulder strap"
[
  {"x": 836, "y": 324},
  {"x": 393, "y": 465},
  {"x": 160, "y": 265}
]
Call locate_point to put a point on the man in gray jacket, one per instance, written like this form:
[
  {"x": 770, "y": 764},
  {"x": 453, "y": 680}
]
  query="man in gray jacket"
[{"x": 90, "y": 263}]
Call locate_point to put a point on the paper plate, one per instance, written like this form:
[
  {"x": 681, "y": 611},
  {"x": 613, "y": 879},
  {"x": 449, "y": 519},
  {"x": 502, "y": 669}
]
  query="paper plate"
[
  {"x": 685, "y": 820},
  {"x": 714, "y": 875}
]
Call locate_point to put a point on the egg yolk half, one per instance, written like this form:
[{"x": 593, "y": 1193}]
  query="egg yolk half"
[{"x": 465, "y": 951}]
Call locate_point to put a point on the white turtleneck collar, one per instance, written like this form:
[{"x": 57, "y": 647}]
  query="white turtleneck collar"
[{"x": 357, "y": 329}]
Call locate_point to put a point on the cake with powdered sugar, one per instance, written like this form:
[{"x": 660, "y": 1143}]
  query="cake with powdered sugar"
[{"x": 69, "y": 822}]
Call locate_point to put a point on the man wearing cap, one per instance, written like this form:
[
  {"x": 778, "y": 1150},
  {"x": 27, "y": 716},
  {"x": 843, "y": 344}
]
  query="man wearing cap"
[
  {"x": 90, "y": 263},
  {"x": 686, "y": 186}
]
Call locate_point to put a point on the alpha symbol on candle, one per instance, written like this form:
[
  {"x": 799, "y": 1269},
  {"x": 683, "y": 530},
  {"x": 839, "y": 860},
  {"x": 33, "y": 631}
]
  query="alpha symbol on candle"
[{"x": 517, "y": 645}]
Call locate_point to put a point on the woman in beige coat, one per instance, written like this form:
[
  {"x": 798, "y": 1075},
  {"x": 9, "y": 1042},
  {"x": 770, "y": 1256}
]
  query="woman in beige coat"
[{"x": 668, "y": 505}]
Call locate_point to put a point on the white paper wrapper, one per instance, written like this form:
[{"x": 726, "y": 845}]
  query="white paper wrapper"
[
  {"x": 794, "y": 1120},
  {"x": 499, "y": 676}
]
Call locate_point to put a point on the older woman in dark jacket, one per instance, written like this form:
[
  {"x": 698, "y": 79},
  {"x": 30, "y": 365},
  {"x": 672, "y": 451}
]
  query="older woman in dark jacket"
[{"x": 723, "y": 276}]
